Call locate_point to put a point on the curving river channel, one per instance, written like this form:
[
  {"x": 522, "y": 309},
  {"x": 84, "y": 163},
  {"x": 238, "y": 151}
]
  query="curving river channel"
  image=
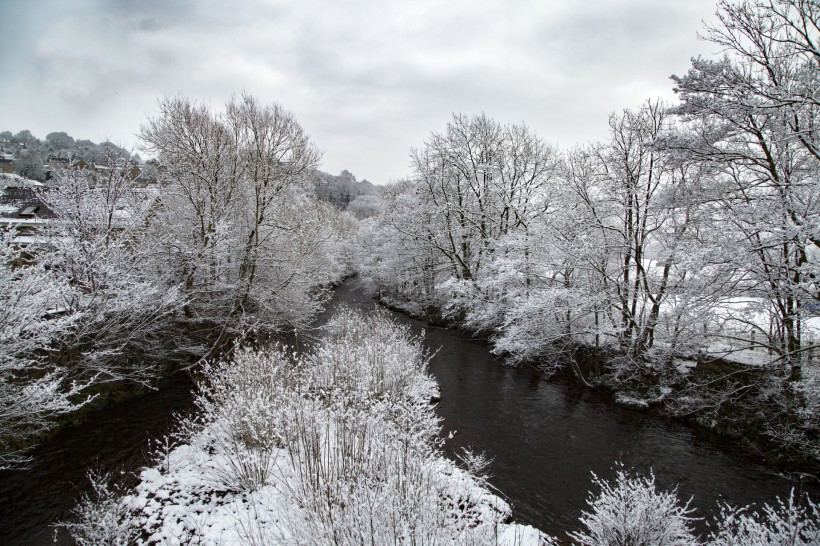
[{"x": 545, "y": 439}]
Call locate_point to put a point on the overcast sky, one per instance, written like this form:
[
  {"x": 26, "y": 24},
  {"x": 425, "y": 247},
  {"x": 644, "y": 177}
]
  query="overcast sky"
[{"x": 368, "y": 79}]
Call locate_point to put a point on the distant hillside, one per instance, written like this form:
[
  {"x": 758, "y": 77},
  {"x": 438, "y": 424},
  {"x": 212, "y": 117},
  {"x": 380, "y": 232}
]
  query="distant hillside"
[
  {"x": 28, "y": 156},
  {"x": 346, "y": 193}
]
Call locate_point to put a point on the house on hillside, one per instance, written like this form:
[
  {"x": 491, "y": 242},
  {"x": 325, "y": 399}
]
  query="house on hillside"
[
  {"x": 144, "y": 176},
  {"x": 6, "y": 163},
  {"x": 21, "y": 209},
  {"x": 58, "y": 161}
]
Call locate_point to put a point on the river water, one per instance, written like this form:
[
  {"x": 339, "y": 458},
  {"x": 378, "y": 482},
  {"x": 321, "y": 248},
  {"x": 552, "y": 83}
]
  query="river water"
[
  {"x": 116, "y": 439},
  {"x": 545, "y": 439}
]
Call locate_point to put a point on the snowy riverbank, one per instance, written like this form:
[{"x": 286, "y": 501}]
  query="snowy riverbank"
[{"x": 336, "y": 447}]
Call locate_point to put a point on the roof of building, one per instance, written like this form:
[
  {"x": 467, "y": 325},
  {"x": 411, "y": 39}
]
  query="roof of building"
[{"x": 21, "y": 205}]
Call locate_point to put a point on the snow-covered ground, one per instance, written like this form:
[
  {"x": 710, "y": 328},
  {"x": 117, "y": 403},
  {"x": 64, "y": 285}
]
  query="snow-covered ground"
[{"x": 183, "y": 499}]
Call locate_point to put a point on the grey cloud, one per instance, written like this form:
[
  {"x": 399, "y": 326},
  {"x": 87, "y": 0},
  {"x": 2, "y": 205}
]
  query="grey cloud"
[{"x": 368, "y": 79}]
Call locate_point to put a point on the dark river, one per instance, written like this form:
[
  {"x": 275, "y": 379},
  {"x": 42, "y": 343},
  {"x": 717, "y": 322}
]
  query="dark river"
[
  {"x": 113, "y": 439},
  {"x": 545, "y": 438}
]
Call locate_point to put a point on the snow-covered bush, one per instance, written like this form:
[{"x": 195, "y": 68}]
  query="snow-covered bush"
[
  {"x": 538, "y": 328},
  {"x": 366, "y": 469},
  {"x": 103, "y": 518},
  {"x": 360, "y": 480},
  {"x": 243, "y": 403},
  {"x": 370, "y": 356},
  {"x": 784, "y": 524},
  {"x": 803, "y": 431},
  {"x": 631, "y": 512}
]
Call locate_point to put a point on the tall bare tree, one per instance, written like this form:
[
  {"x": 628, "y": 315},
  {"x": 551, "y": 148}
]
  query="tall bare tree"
[
  {"x": 754, "y": 117},
  {"x": 235, "y": 197}
]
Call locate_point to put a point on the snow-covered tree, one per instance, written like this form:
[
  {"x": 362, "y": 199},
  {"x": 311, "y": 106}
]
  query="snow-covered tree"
[
  {"x": 752, "y": 117},
  {"x": 473, "y": 186},
  {"x": 34, "y": 387},
  {"x": 123, "y": 302},
  {"x": 482, "y": 180},
  {"x": 640, "y": 213},
  {"x": 29, "y": 164},
  {"x": 241, "y": 233}
]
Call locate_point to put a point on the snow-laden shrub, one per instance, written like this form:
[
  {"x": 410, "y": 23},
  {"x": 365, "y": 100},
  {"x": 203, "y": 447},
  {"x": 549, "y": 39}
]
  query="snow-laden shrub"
[
  {"x": 244, "y": 393},
  {"x": 370, "y": 356},
  {"x": 788, "y": 523},
  {"x": 802, "y": 434},
  {"x": 103, "y": 518},
  {"x": 363, "y": 448},
  {"x": 631, "y": 512},
  {"x": 337, "y": 447},
  {"x": 360, "y": 480},
  {"x": 243, "y": 401},
  {"x": 533, "y": 329}
]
